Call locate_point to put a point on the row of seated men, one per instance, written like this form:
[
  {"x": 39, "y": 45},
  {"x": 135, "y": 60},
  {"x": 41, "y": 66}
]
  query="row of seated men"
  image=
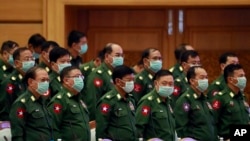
[{"x": 58, "y": 101}]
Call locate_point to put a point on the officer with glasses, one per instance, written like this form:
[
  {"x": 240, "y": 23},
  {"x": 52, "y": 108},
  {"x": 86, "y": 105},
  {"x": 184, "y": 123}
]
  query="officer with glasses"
[{"x": 70, "y": 113}]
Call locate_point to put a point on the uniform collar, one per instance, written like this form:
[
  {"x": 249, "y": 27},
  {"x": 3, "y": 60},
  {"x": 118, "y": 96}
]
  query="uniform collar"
[
  {"x": 233, "y": 95},
  {"x": 159, "y": 98},
  {"x": 193, "y": 94},
  {"x": 106, "y": 68},
  {"x": 69, "y": 94}
]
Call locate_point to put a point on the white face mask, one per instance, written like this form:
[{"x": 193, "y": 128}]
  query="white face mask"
[{"x": 129, "y": 86}]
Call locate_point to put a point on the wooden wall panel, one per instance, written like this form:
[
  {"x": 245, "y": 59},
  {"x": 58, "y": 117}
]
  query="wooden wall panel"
[
  {"x": 19, "y": 32},
  {"x": 21, "y": 10}
]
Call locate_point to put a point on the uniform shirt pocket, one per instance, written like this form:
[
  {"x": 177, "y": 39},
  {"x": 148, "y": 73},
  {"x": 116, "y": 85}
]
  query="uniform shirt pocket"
[
  {"x": 37, "y": 114},
  {"x": 160, "y": 115},
  {"x": 74, "y": 109},
  {"x": 120, "y": 112}
]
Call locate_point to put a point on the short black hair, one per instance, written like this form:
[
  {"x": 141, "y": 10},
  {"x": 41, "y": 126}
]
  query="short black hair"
[
  {"x": 106, "y": 50},
  {"x": 17, "y": 52},
  {"x": 65, "y": 72},
  {"x": 121, "y": 71},
  {"x": 100, "y": 55},
  {"x": 36, "y": 40},
  {"x": 146, "y": 54},
  {"x": 179, "y": 50},
  {"x": 46, "y": 45},
  {"x": 74, "y": 37},
  {"x": 161, "y": 73},
  {"x": 8, "y": 45},
  {"x": 189, "y": 53},
  {"x": 31, "y": 73},
  {"x": 229, "y": 70},
  {"x": 57, "y": 53},
  {"x": 191, "y": 72},
  {"x": 223, "y": 58}
]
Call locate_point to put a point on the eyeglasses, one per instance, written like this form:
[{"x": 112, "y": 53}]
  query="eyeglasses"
[
  {"x": 29, "y": 59},
  {"x": 78, "y": 76}
]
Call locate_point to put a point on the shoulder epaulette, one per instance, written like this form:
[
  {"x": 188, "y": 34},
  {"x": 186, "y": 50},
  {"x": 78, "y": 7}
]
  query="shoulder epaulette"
[
  {"x": 13, "y": 78},
  {"x": 178, "y": 80},
  {"x": 220, "y": 93},
  {"x": 187, "y": 95},
  {"x": 140, "y": 77},
  {"x": 171, "y": 69},
  {"x": 99, "y": 71},
  {"x": 23, "y": 100},
  {"x": 86, "y": 68},
  {"x": 217, "y": 82},
  {"x": 109, "y": 96},
  {"x": 59, "y": 96},
  {"x": 150, "y": 98}
]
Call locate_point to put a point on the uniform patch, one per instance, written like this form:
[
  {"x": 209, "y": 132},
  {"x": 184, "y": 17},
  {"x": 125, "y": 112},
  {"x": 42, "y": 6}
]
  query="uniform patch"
[
  {"x": 177, "y": 91},
  {"x": 20, "y": 112},
  {"x": 105, "y": 108},
  {"x": 83, "y": 104},
  {"x": 209, "y": 106},
  {"x": 215, "y": 92},
  {"x": 170, "y": 108},
  {"x": 98, "y": 82},
  {"x": 145, "y": 110},
  {"x": 57, "y": 108},
  {"x": 131, "y": 105},
  {"x": 10, "y": 88},
  {"x": 137, "y": 87},
  {"x": 216, "y": 104},
  {"x": 186, "y": 107}
]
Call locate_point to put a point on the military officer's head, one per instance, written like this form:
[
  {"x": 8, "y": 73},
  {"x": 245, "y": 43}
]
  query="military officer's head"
[
  {"x": 164, "y": 83},
  {"x": 234, "y": 76},
  {"x": 189, "y": 59},
  {"x": 35, "y": 44},
  {"x": 37, "y": 80},
  {"x": 77, "y": 43},
  {"x": 7, "y": 49},
  {"x": 180, "y": 49},
  {"x": 113, "y": 55},
  {"x": 59, "y": 58},
  {"x": 23, "y": 59},
  {"x": 198, "y": 79},
  {"x": 123, "y": 78},
  {"x": 228, "y": 58},
  {"x": 152, "y": 60},
  {"x": 46, "y": 48},
  {"x": 72, "y": 79},
  {"x": 98, "y": 60}
]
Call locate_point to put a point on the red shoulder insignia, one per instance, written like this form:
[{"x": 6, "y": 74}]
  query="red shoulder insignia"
[
  {"x": 10, "y": 88},
  {"x": 137, "y": 87},
  {"x": 177, "y": 91},
  {"x": 57, "y": 108},
  {"x": 105, "y": 108},
  {"x": 216, "y": 104},
  {"x": 98, "y": 82},
  {"x": 145, "y": 110},
  {"x": 20, "y": 112}
]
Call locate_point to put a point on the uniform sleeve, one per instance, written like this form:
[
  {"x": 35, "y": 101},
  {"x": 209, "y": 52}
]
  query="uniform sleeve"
[
  {"x": 181, "y": 112},
  {"x": 138, "y": 88},
  {"x": 142, "y": 117},
  {"x": 18, "y": 116},
  {"x": 103, "y": 113},
  {"x": 93, "y": 87},
  {"x": 57, "y": 108}
]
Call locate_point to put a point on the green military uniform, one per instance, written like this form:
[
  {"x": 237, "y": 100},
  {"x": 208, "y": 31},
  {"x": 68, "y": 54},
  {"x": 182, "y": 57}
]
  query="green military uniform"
[
  {"x": 115, "y": 117},
  {"x": 143, "y": 84},
  {"x": 30, "y": 119},
  {"x": 216, "y": 86},
  {"x": 10, "y": 88},
  {"x": 176, "y": 70},
  {"x": 76, "y": 61},
  {"x": 154, "y": 118},
  {"x": 98, "y": 83},
  {"x": 70, "y": 116},
  {"x": 43, "y": 65},
  {"x": 180, "y": 86},
  {"x": 194, "y": 117},
  {"x": 5, "y": 70},
  {"x": 87, "y": 68},
  {"x": 55, "y": 85},
  {"x": 230, "y": 109}
]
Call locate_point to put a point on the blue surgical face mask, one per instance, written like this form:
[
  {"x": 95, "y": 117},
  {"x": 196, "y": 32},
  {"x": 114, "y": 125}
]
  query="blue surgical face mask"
[
  {"x": 202, "y": 85},
  {"x": 42, "y": 87},
  {"x": 129, "y": 86},
  {"x": 165, "y": 91},
  {"x": 62, "y": 66},
  {"x": 84, "y": 49},
  {"x": 36, "y": 55},
  {"x": 117, "y": 61},
  {"x": 241, "y": 84},
  {"x": 78, "y": 84},
  {"x": 155, "y": 66},
  {"x": 26, "y": 65},
  {"x": 11, "y": 60}
]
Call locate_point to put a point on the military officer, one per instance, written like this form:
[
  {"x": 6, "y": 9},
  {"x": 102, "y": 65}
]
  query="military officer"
[
  {"x": 154, "y": 115},
  {"x": 6, "y": 58},
  {"x": 138, "y": 67},
  {"x": 44, "y": 57},
  {"x": 188, "y": 59},
  {"x": 219, "y": 84},
  {"x": 59, "y": 59},
  {"x": 29, "y": 117},
  {"x": 12, "y": 86},
  {"x": 115, "y": 118},
  {"x": 177, "y": 69},
  {"x": 152, "y": 62},
  {"x": 99, "y": 81},
  {"x": 193, "y": 113},
  {"x": 70, "y": 114},
  {"x": 230, "y": 103},
  {"x": 77, "y": 46}
]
